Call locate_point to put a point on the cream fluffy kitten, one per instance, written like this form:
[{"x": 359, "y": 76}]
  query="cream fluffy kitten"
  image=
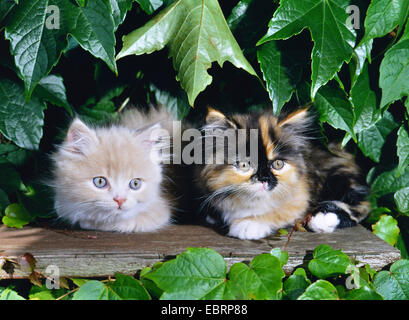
[{"x": 106, "y": 178}]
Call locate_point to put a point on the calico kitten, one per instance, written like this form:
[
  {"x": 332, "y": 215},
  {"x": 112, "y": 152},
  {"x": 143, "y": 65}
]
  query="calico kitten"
[
  {"x": 293, "y": 177},
  {"x": 106, "y": 178}
]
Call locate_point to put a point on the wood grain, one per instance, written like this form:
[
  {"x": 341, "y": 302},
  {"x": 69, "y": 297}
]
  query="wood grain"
[{"x": 79, "y": 253}]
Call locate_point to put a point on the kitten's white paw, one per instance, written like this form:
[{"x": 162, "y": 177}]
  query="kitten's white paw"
[
  {"x": 324, "y": 222},
  {"x": 249, "y": 230}
]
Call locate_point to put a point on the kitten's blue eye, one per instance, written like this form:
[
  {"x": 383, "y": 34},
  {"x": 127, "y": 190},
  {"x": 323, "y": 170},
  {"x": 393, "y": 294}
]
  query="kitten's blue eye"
[
  {"x": 100, "y": 182},
  {"x": 135, "y": 183}
]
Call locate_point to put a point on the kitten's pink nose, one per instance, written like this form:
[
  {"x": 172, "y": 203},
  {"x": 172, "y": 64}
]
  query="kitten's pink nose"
[{"x": 119, "y": 201}]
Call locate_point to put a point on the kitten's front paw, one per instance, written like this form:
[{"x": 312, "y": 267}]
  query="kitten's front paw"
[
  {"x": 324, "y": 222},
  {"x": 249, "y": 230}
]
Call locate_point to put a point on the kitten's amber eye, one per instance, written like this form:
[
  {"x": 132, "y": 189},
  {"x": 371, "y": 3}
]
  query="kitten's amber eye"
[
  {"x": 135, "y": 184},
  {"x": 243, "y": 165},
  {"x": 100, "y": 182},
  {"x": 277, "y": 164}
]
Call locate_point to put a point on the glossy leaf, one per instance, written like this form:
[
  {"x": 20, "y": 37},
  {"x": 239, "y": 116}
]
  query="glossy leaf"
[
  {"x": 403, "y": 150},
  {"x": 387, "y": 229},
  {"x": 394, "y": 284},
  {"x": 328, "y": 262},
  {"x": 326, "y": 20},
  {"x": 196, "y": 34},
  {"x": 320, "y": 290}
]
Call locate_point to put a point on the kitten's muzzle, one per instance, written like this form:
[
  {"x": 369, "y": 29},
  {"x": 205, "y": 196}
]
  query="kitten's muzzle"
[{"x": 120, "y": 201}]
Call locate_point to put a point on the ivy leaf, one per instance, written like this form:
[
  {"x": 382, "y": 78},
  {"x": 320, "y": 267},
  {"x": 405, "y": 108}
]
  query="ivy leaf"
[
  {"x": 387, "y": 229},
  {"x": 394, "y": 284},
  {"x": 335, "y": 109},
  {"x": 5, "y": 7},
  {"x": 363, "y": 293},
  {"x": 364, "y": 102},
  {"x": 177, "y": 104},
  {"x": 328, "y": 262},
  {"x": 296, "y": 284},
  {"x": 320, "y": 290},
  {"x": 387, "y": 183},
  {"x": 9, "y": 294},
  {"x": 20, "y": 122},
  {"x": 261, "y": 280},
  {"x": 36, "y": 48},
  {"x": 16, "y": 216},
  {"x": 197, "y": 35},
  {"x": 401, "y": 198},
  {"x": 383, "y": 16},
  {"x": 10, "y": 180},
  {"x": 394, "y": 72},
  {"x": 279, "y": 73},
  {"x": 91, "y": 290},
  {"x": 280, "y": 255},
  {"x": 128, "y": 288},
  {"x": 372, "y": 139},
  {"x": 52, "y": 89},
  {"x": 326, "y": 20},
  {"x": 150, "y": 6},
  {"x": 403, "y": 150},
  {"x": 360, "y": 55},
  {"x": 195, "y": 274},
  {"x": 119, "y": 10}
]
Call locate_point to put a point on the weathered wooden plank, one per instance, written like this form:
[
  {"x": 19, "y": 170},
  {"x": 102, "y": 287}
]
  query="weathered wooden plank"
[{"x": 89, "y": 253}]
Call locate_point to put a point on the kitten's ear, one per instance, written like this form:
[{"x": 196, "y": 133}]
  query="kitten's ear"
[
  {"x": 298, "y": 117},
  {"x": 215, "y": 118},
  {"x": 79, "y": 138}
]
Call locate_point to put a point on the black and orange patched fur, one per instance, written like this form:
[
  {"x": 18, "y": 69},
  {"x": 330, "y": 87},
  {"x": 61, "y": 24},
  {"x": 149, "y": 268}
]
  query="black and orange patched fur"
[{"x": 293, "y": 177}]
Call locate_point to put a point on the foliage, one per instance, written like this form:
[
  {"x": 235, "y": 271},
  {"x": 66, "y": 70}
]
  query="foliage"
[
  {"x": 201, "y": 273},
  {"x": 68, "y": 58}
]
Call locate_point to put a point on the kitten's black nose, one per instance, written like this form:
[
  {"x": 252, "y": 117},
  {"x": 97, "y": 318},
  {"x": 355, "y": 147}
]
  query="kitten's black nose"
[{"x": 270, "y": 181}]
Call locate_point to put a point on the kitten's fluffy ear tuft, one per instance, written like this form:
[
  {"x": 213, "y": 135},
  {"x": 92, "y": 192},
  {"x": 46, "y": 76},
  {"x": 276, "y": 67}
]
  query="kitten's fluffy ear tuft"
[
  {"x": 295, "y": 118},
  {"x": 214, "y": 115},
  {"x": 79, "y": 138},
  {"x": 216, "y": 119}
]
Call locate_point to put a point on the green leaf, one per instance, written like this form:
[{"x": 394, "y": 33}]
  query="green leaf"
[
  {"x": 403, "y": 150},
  {"x": 328, "y": 262},
  {"x": 335, "y": 109},
  {"x": 261, "y": 280},
  {"x": 195, "y": 274},
  {"x": 372, "y": 139},
  {"x": 150, "y": 6},
  {"x": 364, "y": 102},
  {"x": 360, "y": 55},
  {"x": 16, "y": 216},
  {"x": 394, "y": 284},
  {"x": 177, "y": 104},
  {"x": 363, "y": 293},
  {"x": 387, "y": 229},
  {"x": 20, "y": 121},
  {"x": 394, "y": 73},
  {"x": 119, "y": 10},
  {"x": 296, "y": 284},
  {"x": 320, "y": 290},
  {"x": 383, "y": 16},
  {"x": 37, "y": 48},
  {"x": 52, "y": 89},
  {"x": 402, "y": 200},
  {"x": 238, "y": 13},
  {"x": 281, "y": 255},
  {"x": 387, "y": 182},
  {"x": 92, "y": 290},
  {"x": 40, "y": 293},
  {"x": 196, "y": 34},
  {"x": 128, "y": 288},
  {"x": 279, "y": 73},
  {"x": 9, "y": 294},
  {"x": 13, "y": 154},
  {"x": 10, "y": 180},
  {"x": 326, "y": 20},
  {"x": 5, "y": 8}
]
